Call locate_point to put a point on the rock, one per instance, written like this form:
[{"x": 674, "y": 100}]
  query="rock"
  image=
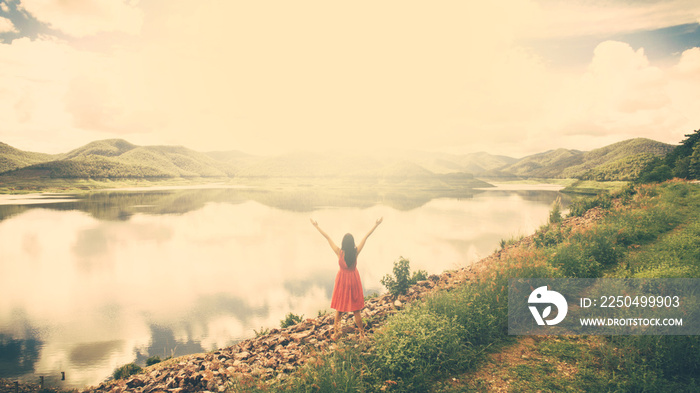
[
  {"x": 242, "y": 355},
  {"x": 298, "y": 337},
  {"x": 398, "y": 303},
  {"x": 135, "y": 382}
]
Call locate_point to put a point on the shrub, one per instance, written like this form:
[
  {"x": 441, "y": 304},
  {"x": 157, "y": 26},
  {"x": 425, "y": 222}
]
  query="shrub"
[
  {"x": 581, "y": 206},
  {"x": 126, "y": 370},
  {"x": 574, "y": 261},
  {"x": 550, "y": 235},
  {"x": 477, "y": 309},
  {"x": 290, "y": 320},
  {"x": 555, "y": 212},
  {"x": 262, "y": 332},
  {"x": 402, "y": 279},
  {"x": 417, "y": 344},
  {"x": 153, "y": 360}
]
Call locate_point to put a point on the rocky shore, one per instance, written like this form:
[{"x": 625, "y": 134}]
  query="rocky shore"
[
  {"x": 272, "y": 355},
  {"x": 281, "y": 351}
]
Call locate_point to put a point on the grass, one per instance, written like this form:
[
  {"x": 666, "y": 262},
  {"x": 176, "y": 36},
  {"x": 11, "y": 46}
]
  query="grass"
[
  {"x": 656, "y": 234},
  {"x": 457, "y": 340},
  {"x": 444, "y": 342},
  {"x": 594, "y": 187},
  {"x": 574, "y": 364}
]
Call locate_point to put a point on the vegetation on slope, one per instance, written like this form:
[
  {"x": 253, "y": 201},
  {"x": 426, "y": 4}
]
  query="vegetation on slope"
[
  {"x": 620, "y": 161},
  {"x": 430, "y": 345},
  {"x": 11, "y": 158},
  {"x": 549, "y": 164},
  {"x": 683, "y": 162},
  {"x": 119, "y": 159}
]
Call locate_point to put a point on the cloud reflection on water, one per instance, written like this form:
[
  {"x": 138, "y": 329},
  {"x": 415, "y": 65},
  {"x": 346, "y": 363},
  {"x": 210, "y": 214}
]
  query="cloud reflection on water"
[{"x": 97, "y": 293}]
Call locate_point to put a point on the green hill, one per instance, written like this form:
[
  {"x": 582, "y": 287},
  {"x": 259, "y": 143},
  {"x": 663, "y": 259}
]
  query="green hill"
[
  {"x": 549, "y": 164},
  {"x": 11, "y": 158},
  {"x": 104, "y": 148},
  {"x": 620, "y": 161},
  {"x": 117, "y": 158}
]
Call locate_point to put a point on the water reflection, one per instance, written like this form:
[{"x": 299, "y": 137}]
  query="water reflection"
[
  {"x": 92, "y": 284},
  {"x": 17, "y": 356}
]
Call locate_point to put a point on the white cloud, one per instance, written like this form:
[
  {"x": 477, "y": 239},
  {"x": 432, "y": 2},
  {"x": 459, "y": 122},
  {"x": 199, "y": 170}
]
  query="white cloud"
[
  {"x": 621, "y": 95},
  {"x": 6, "y": 25},
  {"x": 85, "y": 18},
  {"x": 689, "y": 63},
  {"x": 239, "y": 76},
  {"x": 684, "y": 88},
  {"x": 572, "y": 18},
  {"x": 35, "y": 77}
]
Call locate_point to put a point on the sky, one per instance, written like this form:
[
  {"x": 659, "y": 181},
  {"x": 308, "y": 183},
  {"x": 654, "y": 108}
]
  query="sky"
[{"x": 512, "y": 77}]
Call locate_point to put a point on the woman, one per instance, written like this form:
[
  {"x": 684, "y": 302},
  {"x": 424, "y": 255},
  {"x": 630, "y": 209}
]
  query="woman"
[{"x": 347, "y": 292}]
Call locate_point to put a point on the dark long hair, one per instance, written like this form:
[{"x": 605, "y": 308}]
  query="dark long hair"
[{"x": 349, "y": 250}]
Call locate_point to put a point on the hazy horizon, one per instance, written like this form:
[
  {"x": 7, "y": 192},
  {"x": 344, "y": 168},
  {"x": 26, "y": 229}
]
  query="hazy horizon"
[
  {"x": 513, "y": 78},
  {"x": 300, "y": 151}
]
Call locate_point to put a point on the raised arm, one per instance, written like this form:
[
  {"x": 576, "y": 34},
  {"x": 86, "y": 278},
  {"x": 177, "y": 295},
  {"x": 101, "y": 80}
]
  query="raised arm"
[
  {"x": 335, "y": 248},
  {"x": 361, "y": 244}
]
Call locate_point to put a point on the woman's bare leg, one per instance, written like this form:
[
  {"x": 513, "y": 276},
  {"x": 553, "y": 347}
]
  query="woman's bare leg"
[
  {"x": 336, "y": 325},
  {"x": 359, "y": 323}
]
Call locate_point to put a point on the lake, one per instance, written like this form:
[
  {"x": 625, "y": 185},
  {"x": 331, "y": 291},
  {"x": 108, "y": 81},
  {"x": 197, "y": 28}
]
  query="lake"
[{"x": 93, "y": 281}]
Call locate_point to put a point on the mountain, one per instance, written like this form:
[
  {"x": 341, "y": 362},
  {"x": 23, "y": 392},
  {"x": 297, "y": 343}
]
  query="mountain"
[
  {"x": 12, "y": 158},
  {"x": 549, "y": 164},
  {"x": 117, "y": 158},
  {"x": 620, "y": 161}
]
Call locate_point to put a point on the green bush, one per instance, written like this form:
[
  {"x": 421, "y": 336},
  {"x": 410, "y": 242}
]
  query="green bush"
[
  {"x": 126, "y": 370},
  {"x": 555, "y": 212},
  {"x": 153, "y": 360},
  {"x": 574, "y": 260},
  {"x": 551, "y": 235},
  {"x": 581, "y": 206},
  {"x": 417, "y": 344},
  {"x": 477, "y": 309},
  {"x": 290, "y": 320},
  {"x": 402, "y": 279}
]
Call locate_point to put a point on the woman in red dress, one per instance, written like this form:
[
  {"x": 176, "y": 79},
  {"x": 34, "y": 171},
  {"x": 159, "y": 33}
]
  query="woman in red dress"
[{"x": 347, "y": 292}]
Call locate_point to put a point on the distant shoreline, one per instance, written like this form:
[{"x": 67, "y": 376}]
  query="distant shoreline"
[{"x": 81, "y": 186}]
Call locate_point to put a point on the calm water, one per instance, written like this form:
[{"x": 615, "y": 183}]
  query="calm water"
[{"x": 89, "y": 283}]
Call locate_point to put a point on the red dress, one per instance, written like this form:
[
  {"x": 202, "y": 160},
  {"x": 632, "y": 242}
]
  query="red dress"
[{"x": 347, "y": 292}]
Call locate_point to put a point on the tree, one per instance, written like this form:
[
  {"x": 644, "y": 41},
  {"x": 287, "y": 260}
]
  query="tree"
[{"x": 694, "y": 164}]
